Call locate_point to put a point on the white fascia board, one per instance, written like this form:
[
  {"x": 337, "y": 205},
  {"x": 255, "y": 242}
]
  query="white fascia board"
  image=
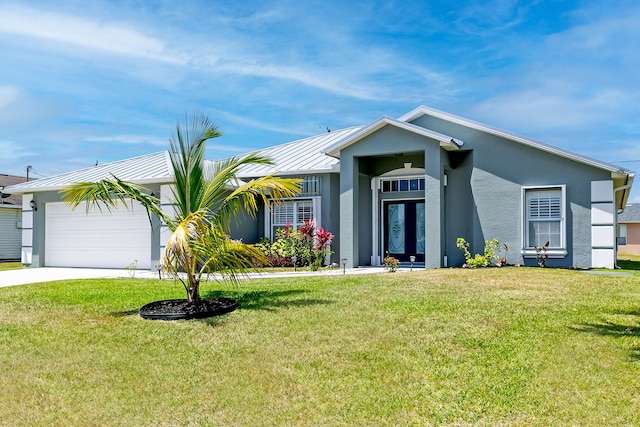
[
  {"x": 446, "y": 142},
  {"x": 40, "y": 189},
  {"x": 334, "y": 169},
  {"x": 422, "y": 110}
]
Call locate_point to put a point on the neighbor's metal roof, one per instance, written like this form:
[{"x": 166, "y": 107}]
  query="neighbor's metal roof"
[
  {"x": 301, "y": 156},
  {"x": 147, "y": 169},
  {"x": 630, "y": 214}
]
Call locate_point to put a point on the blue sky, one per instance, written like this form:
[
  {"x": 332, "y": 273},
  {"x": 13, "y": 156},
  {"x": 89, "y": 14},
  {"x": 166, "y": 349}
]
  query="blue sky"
[{"x": 86, "y": 81}]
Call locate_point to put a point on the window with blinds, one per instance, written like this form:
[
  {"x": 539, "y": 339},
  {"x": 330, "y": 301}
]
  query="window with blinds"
[
  {"x": 292, "y": 212},
  {"x": 544, "y": 217},
  {"x": 310, "y": 186}
]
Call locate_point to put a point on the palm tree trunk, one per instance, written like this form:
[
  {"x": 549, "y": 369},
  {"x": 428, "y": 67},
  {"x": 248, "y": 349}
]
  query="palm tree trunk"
[{"x": 193, "y": 291}]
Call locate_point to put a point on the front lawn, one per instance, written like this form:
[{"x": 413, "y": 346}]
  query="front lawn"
[
  {"x": 10, "y": 265},
  {"x": 511, "y": 346}
]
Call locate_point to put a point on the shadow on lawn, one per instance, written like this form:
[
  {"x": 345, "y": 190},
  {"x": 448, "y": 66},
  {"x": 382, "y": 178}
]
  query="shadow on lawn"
[
  {"x": 626, "y": 264},
  {"x": 615, "y": 330},
  {"x": 268, "y": 300},
  {"x": 256, "y": 300},
  {"x": 123, "y": 313}
]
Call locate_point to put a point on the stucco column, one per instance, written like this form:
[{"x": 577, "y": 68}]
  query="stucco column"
[
  {"x": 349, "y": 209},
  {"x": 434, "y": 199}
]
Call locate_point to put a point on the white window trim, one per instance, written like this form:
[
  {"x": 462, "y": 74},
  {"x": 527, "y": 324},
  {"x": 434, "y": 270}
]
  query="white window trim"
[
  {"x": 268, "y": 223},
  {"x": 530, "y": 252}
]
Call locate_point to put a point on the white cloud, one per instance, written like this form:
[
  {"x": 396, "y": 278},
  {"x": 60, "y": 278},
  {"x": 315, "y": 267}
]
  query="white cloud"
[
  {"x": 128, "y": 139},
  {"x": 257, "y": 124},
  {"x": 553, "y": 106},
  {"x": 8, "y": 96},
  {"x": 83, "y": 32}
]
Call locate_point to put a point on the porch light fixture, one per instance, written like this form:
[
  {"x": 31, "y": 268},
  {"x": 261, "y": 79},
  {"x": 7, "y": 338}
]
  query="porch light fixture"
[
  {"x": 412, "y": 259},
  {"x": 32, "y": 204},
  {"x": 344, "y": 265}
]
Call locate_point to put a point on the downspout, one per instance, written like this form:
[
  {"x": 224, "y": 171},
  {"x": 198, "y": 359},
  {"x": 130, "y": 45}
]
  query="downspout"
[{"x": 619, "y": 211}]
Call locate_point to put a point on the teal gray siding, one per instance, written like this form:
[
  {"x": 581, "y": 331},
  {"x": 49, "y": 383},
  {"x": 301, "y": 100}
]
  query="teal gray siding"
[{"x": 484, "y": 193}]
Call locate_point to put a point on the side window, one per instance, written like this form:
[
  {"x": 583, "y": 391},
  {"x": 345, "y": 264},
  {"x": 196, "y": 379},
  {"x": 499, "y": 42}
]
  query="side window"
[
  {"x": 544, "y": 220},
  {"x": 293, "y": 212}
]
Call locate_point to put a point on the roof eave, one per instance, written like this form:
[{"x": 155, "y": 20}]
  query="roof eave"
[
  {"x": 446, "y": 142},
  {"x": 35, "y": 189},
  {"x": 333, "y": 169},
  {"x": 422, "y": 110}
]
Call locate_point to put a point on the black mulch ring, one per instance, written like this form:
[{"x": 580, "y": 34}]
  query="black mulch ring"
[{"x": 176, "y": 309}]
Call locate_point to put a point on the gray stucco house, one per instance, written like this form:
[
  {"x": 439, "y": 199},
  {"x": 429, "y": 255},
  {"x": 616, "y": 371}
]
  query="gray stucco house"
[{"x": 408, "y": 187}]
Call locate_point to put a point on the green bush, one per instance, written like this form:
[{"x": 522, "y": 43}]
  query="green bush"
[
  {"x": 309, "y": 245},
  {"x": 488, "y": 258}
]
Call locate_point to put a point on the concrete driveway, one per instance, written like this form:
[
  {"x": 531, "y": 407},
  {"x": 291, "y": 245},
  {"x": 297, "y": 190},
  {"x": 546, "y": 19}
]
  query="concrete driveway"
[{"x": 50, "y": 274}]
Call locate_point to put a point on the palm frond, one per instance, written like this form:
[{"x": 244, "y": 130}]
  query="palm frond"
[
  {"x": 247, "y": 195},
  {"x": 225, "y": 194},
  {"x": 109, "y": 193},
  {"x": 186, "y": 152},
  {"x": 230, "y": 258}
]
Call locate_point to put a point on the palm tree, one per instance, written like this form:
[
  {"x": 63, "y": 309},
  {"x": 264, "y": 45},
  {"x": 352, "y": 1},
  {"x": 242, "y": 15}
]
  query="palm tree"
[{"x": 206, "y": 195}]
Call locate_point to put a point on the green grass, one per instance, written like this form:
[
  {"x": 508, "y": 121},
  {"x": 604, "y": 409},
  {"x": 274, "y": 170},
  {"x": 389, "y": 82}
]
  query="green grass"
[
  {"x": 629, "y": 262},
  {"x": 512, "y": 346},
  {"x": 10, "y": 265}
]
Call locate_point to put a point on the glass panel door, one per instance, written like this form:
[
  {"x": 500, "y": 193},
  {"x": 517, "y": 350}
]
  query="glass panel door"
[
  {"x": 396, "y": 229},
  {"x": 420, "y": 231},
  {"x": 404, "y": 234}
]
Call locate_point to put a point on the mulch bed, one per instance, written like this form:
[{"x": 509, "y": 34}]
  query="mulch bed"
[{"x": 175, "y": 309}]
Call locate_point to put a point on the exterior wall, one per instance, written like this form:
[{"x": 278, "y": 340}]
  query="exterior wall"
[
  {"x": 499, "y": 169},
  {"x": 245, "y": 227},
  {"x": 10, "y": 232},
  {"x": 633, "y": 234},
  {"x": 633, "y": 240},
  {"x": 460, "y": 214},
  {"x": 331, "y": 211}
]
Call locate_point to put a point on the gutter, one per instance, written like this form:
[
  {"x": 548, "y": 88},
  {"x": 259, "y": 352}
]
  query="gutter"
[
  {"x": 621, "y": 188},
  {"x": 619, "y": 211}
]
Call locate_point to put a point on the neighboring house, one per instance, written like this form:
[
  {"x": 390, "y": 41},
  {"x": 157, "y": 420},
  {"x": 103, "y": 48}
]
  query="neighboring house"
[
  {"x": 408, "y": 187},
  {"x": 629, "y": 230},
  {"x": 10, "y": 219}
]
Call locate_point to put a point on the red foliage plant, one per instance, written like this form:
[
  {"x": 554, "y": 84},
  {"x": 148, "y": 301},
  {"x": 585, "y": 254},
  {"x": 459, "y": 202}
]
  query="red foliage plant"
[{"x": 323, "y": 238}]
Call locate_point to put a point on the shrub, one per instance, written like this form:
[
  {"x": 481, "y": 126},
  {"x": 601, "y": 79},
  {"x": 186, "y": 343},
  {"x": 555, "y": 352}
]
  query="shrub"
[
  {"x": 488, "y": 258},
  {"x": 391, "y": 263},
  {"x": 309, "y": 245}
]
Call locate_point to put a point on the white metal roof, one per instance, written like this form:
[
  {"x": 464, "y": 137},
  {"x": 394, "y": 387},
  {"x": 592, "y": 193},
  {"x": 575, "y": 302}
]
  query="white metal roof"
[
  {"x": 315, "y": 154},
  {"x": 147, "y": 169},
  {"x": 301, "y": 156}
]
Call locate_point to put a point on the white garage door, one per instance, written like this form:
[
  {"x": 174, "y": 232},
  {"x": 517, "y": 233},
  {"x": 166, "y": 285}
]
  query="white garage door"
[{"x": 99, "y": 239}]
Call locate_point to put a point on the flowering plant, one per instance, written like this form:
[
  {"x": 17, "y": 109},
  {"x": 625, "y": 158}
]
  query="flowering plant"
[
  {"x": 391, "y": 263},
  {"x": 309, "y": 245}
]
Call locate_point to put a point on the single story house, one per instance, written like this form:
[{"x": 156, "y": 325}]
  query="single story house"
[
  {"x": 10, "y": 219},
  {"x": 629, "y": 230},
  {"x": 407, "y": 187}
]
